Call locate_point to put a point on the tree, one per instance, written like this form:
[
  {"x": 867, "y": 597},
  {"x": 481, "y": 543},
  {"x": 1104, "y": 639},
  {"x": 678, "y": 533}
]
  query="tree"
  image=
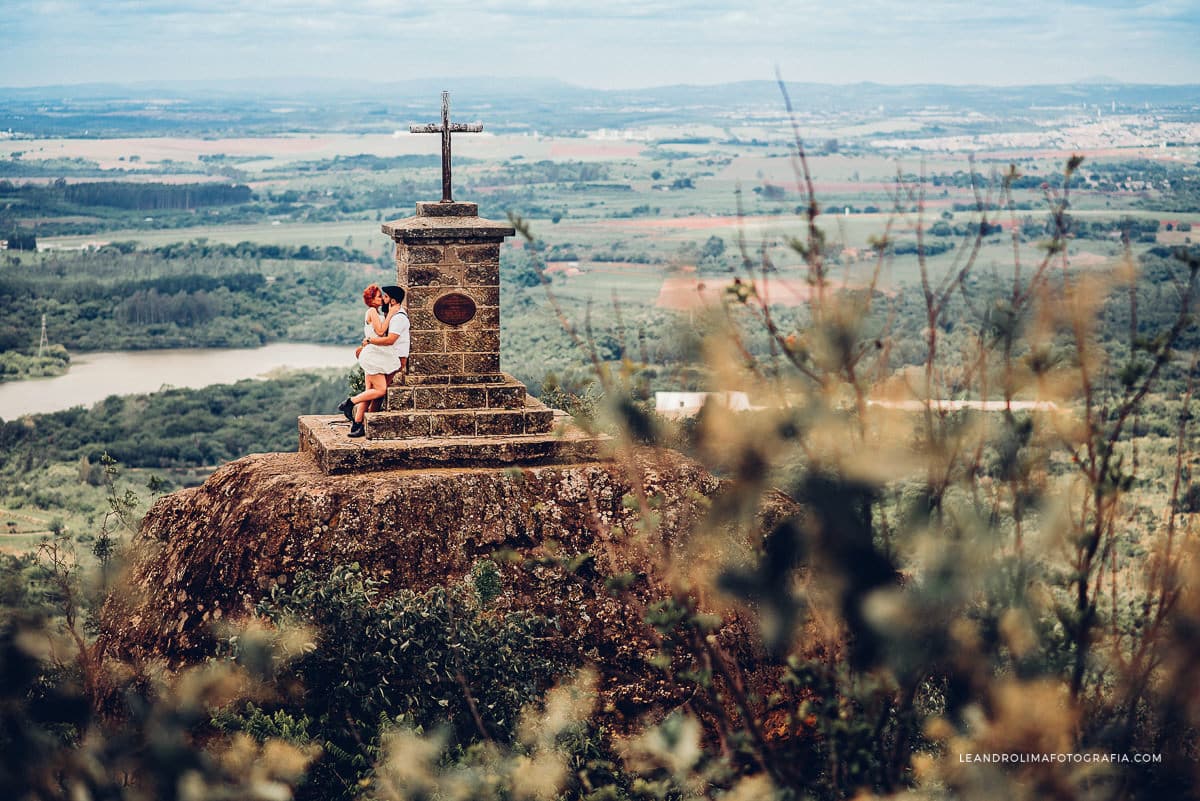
[
  {"x": 22, "y": 240},
  {"x": 712, "y": 251}
]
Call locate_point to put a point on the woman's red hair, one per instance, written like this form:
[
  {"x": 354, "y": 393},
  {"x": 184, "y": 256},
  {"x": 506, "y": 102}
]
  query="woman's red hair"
[{"x": 369, "y": 293}]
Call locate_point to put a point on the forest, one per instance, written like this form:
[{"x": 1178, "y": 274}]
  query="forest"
[{"x": 186, "y": 295}]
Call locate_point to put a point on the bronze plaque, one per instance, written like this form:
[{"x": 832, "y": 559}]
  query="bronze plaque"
[{"x": 454, "y": 308}]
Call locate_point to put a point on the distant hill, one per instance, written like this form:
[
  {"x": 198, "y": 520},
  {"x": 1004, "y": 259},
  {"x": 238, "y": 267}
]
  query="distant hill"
[{"x": 550, "y": 106}]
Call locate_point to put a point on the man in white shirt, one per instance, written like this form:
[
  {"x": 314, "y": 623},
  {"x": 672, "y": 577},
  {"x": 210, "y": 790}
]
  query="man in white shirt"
[{"x": 398, "y": 326}]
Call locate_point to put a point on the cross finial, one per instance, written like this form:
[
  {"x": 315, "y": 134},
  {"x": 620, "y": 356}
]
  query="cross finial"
[{"x": 445, "y": 129}]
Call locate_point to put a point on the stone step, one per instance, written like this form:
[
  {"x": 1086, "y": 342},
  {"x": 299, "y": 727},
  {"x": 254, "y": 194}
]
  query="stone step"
[
  {"x": 413, "y": 379},
  {"x": 533, "y": 417},
  {"x": 325, "y": 437},
  {"x": 508, "y": 393}
]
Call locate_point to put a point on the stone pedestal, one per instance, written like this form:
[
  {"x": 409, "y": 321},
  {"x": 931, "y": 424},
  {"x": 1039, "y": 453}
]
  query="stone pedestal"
[
  {"x": 448, "y": 260},
  {"x": 456, "y": 408}
]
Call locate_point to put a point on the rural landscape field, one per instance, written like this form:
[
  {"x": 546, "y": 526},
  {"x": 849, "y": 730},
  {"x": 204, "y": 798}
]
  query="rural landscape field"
[{"x": 963, "y": 319}]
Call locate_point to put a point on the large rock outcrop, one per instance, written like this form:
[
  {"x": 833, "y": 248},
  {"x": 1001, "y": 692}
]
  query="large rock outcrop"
[{"x": 210, "y": 553}]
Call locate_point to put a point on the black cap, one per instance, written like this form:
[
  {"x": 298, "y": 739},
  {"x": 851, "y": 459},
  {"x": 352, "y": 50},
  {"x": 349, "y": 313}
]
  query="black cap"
[{"x": 394, "y": 292}]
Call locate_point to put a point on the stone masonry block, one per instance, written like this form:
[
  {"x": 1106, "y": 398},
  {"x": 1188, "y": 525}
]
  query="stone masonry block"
[
  {"x": 451, "y": 397},
  {"x": 459, "y": 224},
  {"x": 335, "y": 454},
  {"x": 443, "y": 209},
  {"x": 457, "y": 379},
  {"x": 505, "y": 422},
  {"x": 422, "y": 319},
  {"x": 486, "y": 274},
  {"x": 487, "y": 317},
  {"x": 423, "y": 254},
  {"x": 473, "y": 341},
  {"x": 428, "y": 342},
  {"x": 471, "y": 232},
  {"x": 420, "y": 297},
  {"x": 476, "y": 254},
  {"x": 481, "y": 362},
  {"x": 538, "y": 421},
  {"x": 506, "y": 397},
  {"x": 474, "y": 378},
  {"x": 400, "y": 399},
  {"x": 453, "y": 424},
  {"x": 435, "y": 363},
  {"x": 389, "y": 425},
  {"x": 434, "y": 275},
  {"x": 485, "y": 295}
]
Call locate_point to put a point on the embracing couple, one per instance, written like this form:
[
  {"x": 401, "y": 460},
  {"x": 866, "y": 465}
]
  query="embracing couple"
[{"x": 384, "y": 351}]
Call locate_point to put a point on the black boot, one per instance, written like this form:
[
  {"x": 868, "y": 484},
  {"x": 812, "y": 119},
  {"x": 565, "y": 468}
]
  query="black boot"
[
  {"x": 357, "y": 430},
  {"x": 346, "y": 407}
]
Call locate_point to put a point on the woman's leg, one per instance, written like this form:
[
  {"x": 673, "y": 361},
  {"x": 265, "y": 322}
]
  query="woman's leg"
[
  {"x": 376, "y": 388},
  {"x": 378, "y": 403}
]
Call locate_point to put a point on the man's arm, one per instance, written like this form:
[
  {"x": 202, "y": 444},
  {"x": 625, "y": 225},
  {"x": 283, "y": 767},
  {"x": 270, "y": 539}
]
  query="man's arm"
[
  {"x": 397, "y": 324},
  {"x": 387, "y": 340}
]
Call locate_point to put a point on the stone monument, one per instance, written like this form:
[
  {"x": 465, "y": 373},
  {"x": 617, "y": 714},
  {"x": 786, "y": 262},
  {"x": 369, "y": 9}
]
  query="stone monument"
[
  {"x": 455, "y": 406},
  {"x": 498, "y": 473}
]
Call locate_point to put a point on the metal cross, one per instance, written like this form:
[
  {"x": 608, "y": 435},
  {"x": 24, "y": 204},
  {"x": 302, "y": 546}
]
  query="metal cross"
[{"x": 445, "y": 129}]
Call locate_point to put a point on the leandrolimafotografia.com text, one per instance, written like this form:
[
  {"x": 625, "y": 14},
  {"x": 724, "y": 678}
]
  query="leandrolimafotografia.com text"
[{"x": 1025, "y": 759}]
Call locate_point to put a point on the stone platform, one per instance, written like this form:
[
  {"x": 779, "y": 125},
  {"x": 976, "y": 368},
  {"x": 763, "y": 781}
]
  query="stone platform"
[
  {"x": 325, "y": 437},
  {"x": 532, "y": 417},
  {"x": 448, "y": 261},
  {"x": 498, "y": 406}
]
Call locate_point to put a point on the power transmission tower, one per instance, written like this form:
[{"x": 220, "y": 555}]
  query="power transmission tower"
[{"x": 43, "y": 343}]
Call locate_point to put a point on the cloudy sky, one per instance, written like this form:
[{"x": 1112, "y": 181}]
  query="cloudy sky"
[{"x": 602, "y": 43}]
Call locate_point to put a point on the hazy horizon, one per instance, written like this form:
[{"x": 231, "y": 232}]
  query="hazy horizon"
[
  {"x": 617, "y": 44},
  {"x": 1097, "y": 80}
]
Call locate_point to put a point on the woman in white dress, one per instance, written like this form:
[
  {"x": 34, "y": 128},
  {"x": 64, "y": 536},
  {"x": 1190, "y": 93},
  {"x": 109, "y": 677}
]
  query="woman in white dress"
[{"x": 378, "y": 361}]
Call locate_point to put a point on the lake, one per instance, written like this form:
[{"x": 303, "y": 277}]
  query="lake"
[{"x": 95, "y": 376}]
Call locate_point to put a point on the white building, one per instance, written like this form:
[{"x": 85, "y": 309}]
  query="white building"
[{"x": 688, "y": 404}]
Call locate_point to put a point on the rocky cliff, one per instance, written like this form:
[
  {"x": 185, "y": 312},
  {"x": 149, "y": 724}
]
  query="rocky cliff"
[{"x": 210, "y": 553}]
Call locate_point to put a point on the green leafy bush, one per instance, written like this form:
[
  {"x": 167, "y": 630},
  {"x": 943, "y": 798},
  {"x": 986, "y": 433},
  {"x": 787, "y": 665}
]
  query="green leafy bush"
[{"x": 427, "y": 661}]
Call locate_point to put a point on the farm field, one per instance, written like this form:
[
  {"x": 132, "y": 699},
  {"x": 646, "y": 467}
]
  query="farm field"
[
  {"x": 141, "y": 154},
  {"x": 660, "y": 187},
  {"x": 640, "y": 216},
  {"x": 269, "y": 233}
]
